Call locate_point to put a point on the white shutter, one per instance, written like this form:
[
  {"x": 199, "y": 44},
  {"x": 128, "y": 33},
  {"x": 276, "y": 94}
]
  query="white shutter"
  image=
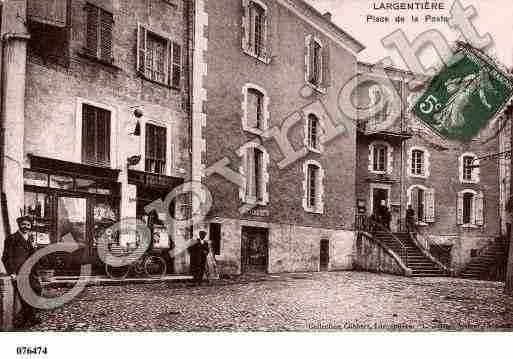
[
  {"x": 459, "y": 209},
  {"x": 430, "y": 205},
  {"x": 479, "y": 204},
  {"x": 141, "y": 48}
]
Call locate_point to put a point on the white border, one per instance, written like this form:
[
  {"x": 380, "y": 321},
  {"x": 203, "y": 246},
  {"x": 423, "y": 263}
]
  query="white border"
[
  {"x": 170, "y": 145},
  {"x": 475, "y": 172},
  {"x": 374, "y": 186},
  {"x": 390, "y": 157},
  {"x": 427, "y": 163}
]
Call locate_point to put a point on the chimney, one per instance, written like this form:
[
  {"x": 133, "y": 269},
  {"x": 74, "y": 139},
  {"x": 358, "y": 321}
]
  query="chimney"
[{"x": 327, "y": 15}]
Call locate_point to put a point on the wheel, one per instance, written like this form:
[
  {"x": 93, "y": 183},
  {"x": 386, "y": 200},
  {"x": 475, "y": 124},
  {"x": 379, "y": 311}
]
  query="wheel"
[
  {"x": 116, "y": 272},
  {"x": 155, "y": 266}
]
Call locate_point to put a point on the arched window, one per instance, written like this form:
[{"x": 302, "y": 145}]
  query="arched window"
[
  {"x": 470, "y": 208},
  {"x": 254, "y": 36},
  {"x": 422, "y": 200}
]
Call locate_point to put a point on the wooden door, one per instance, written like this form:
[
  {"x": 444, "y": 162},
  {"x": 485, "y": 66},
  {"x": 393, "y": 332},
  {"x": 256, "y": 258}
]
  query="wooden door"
[{"x": 254, "y": 250}]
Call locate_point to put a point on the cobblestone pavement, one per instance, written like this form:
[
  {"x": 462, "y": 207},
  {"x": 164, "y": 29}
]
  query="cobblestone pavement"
[{"x": 306, "y": 301}]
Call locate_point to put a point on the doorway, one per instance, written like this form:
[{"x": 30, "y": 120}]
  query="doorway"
[
  {"x": 324, "y": 255},
  {"x": 254, "y": 250},
  {"x": 379, "y": 195}
]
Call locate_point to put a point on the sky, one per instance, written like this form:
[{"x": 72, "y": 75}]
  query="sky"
[{"x": 493, "y": 16}]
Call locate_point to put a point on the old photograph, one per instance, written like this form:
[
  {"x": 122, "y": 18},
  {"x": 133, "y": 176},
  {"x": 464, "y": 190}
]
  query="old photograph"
[{"x": 255, "y": 166}]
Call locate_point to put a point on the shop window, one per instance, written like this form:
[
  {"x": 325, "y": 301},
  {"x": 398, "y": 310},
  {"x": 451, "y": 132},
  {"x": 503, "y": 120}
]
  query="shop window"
[
  {"x": 61, "y": 182},
  {"x": 99, "y": 27},
  {"x": 156, "y": 148},
  {"x": 159, "y": 59},
  {"x": 31, "y": 178},
  {"x": 95, "y": 135},
  {"x": 254, "y": 39},
  {"x": 38, "y": 207}
]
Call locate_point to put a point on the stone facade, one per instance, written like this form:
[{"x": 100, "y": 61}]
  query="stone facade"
[
  {"x": 442, "y": 177},
  {"x": 61, "y": 76}
]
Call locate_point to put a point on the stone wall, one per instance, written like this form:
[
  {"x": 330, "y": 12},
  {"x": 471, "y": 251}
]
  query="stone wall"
[
  {"x": 291, "y": 248},
  {"x": 373, "y": 257}
]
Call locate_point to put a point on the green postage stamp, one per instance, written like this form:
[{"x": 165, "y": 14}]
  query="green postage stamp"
[{"x": 465, "y": 95}]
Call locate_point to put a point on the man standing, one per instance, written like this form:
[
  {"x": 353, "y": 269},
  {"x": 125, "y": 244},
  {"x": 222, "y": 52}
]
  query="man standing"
[
  {"x": 199, "y": 252},
  {"x": 18, "y": 248}
]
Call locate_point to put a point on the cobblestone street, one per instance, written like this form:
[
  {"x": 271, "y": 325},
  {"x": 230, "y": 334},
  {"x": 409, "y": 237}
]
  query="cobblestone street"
[{"x": 306, "y": 301}]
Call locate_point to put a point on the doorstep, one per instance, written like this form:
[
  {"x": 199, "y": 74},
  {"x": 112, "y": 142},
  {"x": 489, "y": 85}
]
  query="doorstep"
[{"x": 70, "y": 281}]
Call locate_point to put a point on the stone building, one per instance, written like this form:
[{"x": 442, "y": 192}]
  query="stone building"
[
  {"x": 89, "y": 85},
  {"x": 279, "y": 156},
  {"x": 406, "y": 163}
]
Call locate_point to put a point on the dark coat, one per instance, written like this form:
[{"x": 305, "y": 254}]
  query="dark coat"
[
  {"x": 16, "y": 252},
  {"x": 199, "y": 253}
]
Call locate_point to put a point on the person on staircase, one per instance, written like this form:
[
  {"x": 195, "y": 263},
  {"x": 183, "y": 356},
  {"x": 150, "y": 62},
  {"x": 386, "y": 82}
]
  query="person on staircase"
[{"x": 410, "y": 219}]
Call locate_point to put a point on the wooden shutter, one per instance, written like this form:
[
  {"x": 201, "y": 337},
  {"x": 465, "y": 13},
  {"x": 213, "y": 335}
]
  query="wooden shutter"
[
  {"x": 479, "y": 209},
  {"x": 430, "y": 205},
  {"x": 95, "y": 135},
  {"x": 459, "y": 208},
  {"x": 106, "y": 27},
  {"x": 175, "y": 65},
  {"x": 142, "y": 45},
  {"x": 103, "y": 137},
  {"x": 50, "y": 12},
  {"x": 92, "y": 30},
  {"x": 88, "y": 133}
]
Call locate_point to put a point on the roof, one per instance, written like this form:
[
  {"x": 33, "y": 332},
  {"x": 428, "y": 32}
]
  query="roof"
[{"x": 324, "y": 23}]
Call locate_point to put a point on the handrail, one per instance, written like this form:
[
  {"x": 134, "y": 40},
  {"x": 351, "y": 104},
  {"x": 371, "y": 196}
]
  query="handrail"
[
  {"x": 370, "y": 225},
  {"x": 428, "y": 254}
]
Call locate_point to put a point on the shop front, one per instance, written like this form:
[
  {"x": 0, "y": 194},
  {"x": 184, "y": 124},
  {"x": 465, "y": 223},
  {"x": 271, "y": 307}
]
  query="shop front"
[
  {"x": 151, "y": 187},
  {"x": 70, "y": 202}
]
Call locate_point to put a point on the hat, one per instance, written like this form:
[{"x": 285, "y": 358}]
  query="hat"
[{"x": 21, "y": 219}]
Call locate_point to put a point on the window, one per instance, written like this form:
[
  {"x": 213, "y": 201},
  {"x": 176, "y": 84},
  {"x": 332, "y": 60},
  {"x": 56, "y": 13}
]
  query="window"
[
  {"x": 468, "y": 200},
  {"x": 470, "y": 208},
  {"x": 255, "y": 161},
  {"x": 313, "y": 133},
  {"x": 422, "y": 200},
  {"x": 159, "y": 59},
  {"x": 418, "y": 162},
  {"x": 99, "y": 26},
  {"x": 468, "y": 172},
  {"x": 380, "y": 158},
  {"x": 254, "y": 39},
  {"x": 255, "y": 109},
  {"x": 156, "y": 149},
  {"x": 95, "y": 135},
  {"x": 313, "y": 187},
  {"x": 317, "y": 63},
  {"x": 254, "y": 174},
  {"x": 468, "y": 161}
]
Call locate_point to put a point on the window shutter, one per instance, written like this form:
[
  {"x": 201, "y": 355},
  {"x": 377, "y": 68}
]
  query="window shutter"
[
  {"x": 250, "y": 174},
  {"x": 459, "y": 209},
  {"x": 103, "y": 137},
  {"x": 307, "y": 58},
  {"x": 88, "y": 133},
  {"x": 175, "y": 64},
  {"x": 92, "y": 30},
  {"x": 106, "y": 27},
  {"x": 141, "y": 48},
  {"x": 51, "y": 12},
  {"x": 264, "y": 40},
  {"x": 479, "y": 205},
  {"x": 430, "y": 205}
]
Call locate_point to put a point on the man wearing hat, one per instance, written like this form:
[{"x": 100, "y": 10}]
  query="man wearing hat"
[{"x": 17, "y": 249}]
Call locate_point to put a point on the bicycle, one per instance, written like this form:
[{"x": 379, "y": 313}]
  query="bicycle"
[{"x": 149, "y": 265}]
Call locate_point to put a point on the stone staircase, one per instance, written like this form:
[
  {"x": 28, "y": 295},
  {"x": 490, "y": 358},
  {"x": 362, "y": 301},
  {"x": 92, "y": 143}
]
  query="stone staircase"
[
  {"x": 490, "y": 264},
  {"x": 411, "y": 255}
]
